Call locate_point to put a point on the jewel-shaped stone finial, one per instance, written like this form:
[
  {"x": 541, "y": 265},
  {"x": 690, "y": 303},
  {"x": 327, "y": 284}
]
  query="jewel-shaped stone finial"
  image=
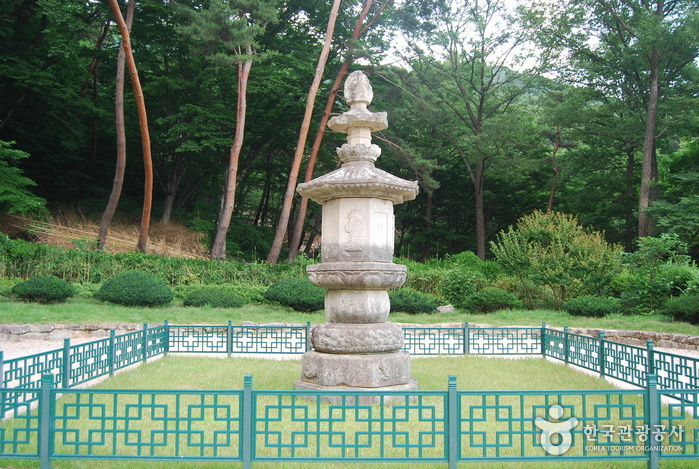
[{"x": 358, "y": 89}]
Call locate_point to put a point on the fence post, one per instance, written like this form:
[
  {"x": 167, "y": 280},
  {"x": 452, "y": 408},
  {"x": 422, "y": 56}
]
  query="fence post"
[
  {"x": 229, "y": 338},
  {"x": 65, "y": 383},
  {"x": 653, "y": 419},
  {"x": 45, "y": 424},
  {"x": 566, "y": 345},
  {"x": 602, "y": 355},
  {"x": 453, "y": 429},
  {"x": 308, "y": 336},
  {"x": 145, "y": 341},
  {"x": 651, "y": 358},
  {"x": 467, "y": 339},
  {"x": 543, "y": 339},
  {"x": 166, "y": 332},
  {"x": 248, "y": 428},
  {"x": 112, "y": 352},
  {"x": 2, "y": 385}
]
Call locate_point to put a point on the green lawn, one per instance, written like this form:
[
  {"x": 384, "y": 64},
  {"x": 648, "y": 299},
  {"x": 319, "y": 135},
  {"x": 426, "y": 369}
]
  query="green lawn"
[{"x": 88, "y": 311}]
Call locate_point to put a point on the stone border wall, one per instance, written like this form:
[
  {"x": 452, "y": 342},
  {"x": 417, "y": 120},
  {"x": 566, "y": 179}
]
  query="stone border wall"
[{"x": 13, "y": 332}]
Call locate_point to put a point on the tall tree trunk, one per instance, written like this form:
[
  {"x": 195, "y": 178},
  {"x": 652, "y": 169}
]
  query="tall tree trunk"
[
  {"x": 556, "y": 171},
  {"x": 173, "y": 184},
  {"x": 629, "y": 204},
  {"x": 295, "y": 242},
  {"x": 303, "y": 134},
  {"x": 143, "y": 123},
  {"x": 647, "y": 177},
  {"x": 427, "y": 247},
  {"x": 218, "y": 249},
  {"x": 118, "y": 183},
  {"x": 480, "y": 217}
]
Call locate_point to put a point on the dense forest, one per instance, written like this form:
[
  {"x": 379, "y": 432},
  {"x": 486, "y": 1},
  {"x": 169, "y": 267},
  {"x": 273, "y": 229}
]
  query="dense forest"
[{"x": 192, "y": 111}]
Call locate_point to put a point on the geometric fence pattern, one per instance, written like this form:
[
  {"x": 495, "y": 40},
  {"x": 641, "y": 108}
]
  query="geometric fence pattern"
[{"x": 48, "y": 419}]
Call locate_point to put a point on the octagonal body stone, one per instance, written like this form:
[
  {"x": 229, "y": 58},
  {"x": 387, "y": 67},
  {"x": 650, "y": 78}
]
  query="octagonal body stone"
[
  {"x": 358, "y": 229},
  {"x": 363, "y": 371}
]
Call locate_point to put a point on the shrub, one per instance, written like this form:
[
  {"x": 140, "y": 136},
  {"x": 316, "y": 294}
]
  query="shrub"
[
  {"x": 134, "y": 288},
  {"x": 683, "y": 308},
  {"x": 44, "y": 290},
  {"x": 407, "y": 300},
  {"x": 492, "y": 299},
  {"x": 469, "y": 260},
  {"x": 459, "y": 284},
  {"x": 298, "y": 293},
  {"x": 553, "y": 249},
  {"x": 592, "y": 306},
  {"x": 214, "y": 297}
]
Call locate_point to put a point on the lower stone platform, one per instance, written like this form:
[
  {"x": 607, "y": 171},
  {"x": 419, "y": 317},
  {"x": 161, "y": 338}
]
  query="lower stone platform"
[
  {"x": 356, "y": 370},
  {"x": 366, "y": 396}
]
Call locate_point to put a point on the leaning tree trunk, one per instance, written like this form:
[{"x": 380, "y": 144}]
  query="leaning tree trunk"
[
  {"x": 118, "y": 183},
  {"x": 303, "y": 134},
  {"x": 143, "y": 123},
  {"x": 218, "y": 249}
]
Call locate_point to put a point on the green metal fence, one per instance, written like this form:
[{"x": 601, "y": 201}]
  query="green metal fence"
[
  {"x": 451, "y": 426},
  {"x": 47, "y": 418}
]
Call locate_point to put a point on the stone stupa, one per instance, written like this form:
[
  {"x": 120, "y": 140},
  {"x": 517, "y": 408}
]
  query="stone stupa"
[{"x": 356, "y": 349}]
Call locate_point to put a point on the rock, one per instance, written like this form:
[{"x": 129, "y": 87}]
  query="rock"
[{"x": 446, "y": 309}]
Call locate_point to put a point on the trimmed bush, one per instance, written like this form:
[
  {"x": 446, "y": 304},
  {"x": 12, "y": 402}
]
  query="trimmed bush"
[
  {"x": 459, "y": 284},
  {"x": 135, "y": 288},
  {"x": 297, "y": 293},
  {"x": 492, "y": 299},
  {"x": 44, "y": 290},
  {"x": 213, "y": 297},
  {"x": 592, "y": 306},
  {"x": 683, "y": 308},
  {"x": 407, "y": 300}
]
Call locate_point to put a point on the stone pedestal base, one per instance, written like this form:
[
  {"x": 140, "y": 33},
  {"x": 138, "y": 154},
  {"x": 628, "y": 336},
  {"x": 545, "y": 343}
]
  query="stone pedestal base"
[
  {"x": 364, "y": 399},
  {"x": 356, "y": 370}
]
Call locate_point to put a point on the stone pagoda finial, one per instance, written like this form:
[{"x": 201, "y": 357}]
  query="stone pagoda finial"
[{"x": 358, "y": 91}]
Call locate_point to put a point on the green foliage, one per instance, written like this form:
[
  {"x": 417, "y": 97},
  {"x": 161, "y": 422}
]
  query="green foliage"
[
  {"x": 492, "y": 299},
  {"x": 592, "y": 306},
  {"x": 683, "y": 308},
  {"x": 660, "y": 268},
  {"x": 299, "y": 294},
  {"x": 135, "y": 288},
  {"x": 15, "y": 196},
  {"x": 553, "y": 249},
  {"x": 469, "y": 260},
  {"x": 407, "y": 300},
  {"x": 44, "y": 290},
  {"x": 459, "y": 284},
  {"x": 213, "y": 297}
]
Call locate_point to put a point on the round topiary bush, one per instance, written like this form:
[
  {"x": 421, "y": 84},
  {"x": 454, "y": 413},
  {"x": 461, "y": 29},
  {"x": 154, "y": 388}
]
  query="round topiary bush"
[
  {"x": 298, "y": 293},
  {"x": 213, "y": 297},
  {"x": 492, "y": 299},
  {"x": 134, "y": 288},
  {"x": 683, "y": 308},
  {"x": 407, "y": 300},
  {"x": 44, "y": 290},
  {"x": 592, "y": 306}
]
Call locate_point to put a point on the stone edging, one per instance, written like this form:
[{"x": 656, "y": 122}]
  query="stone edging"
[{"x": 12, "y": 332}]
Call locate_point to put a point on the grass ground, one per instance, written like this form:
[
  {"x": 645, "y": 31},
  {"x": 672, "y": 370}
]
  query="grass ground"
[{"x": 89, "y": 311}]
